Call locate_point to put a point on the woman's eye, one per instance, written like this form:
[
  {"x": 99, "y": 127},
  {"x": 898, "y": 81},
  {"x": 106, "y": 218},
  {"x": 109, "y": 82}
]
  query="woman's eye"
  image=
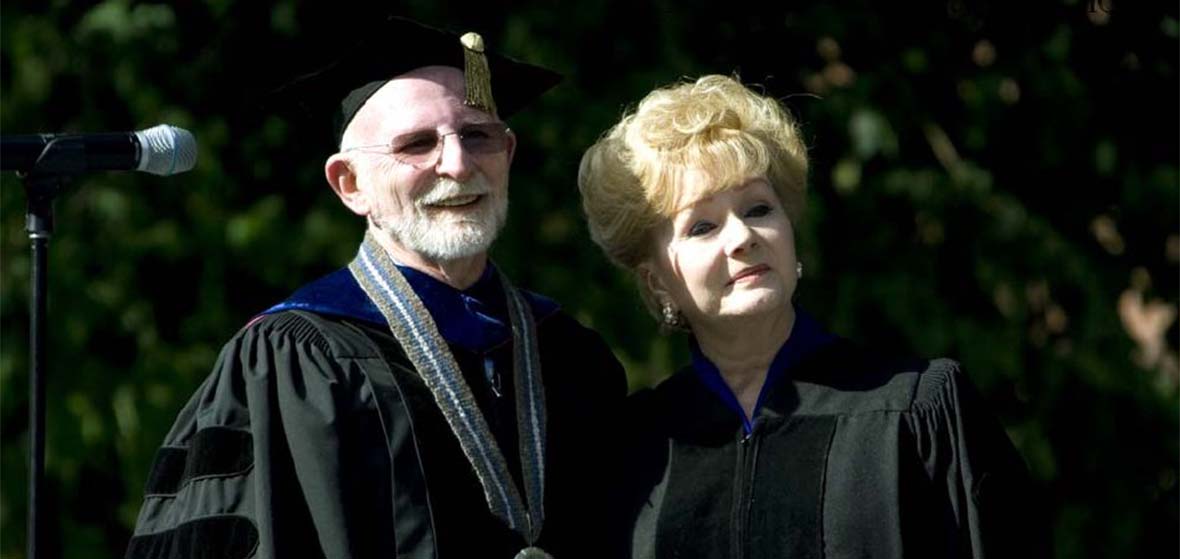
[
  {"x": 758, "y": 211},
  {"x": 700, "y": 228}
]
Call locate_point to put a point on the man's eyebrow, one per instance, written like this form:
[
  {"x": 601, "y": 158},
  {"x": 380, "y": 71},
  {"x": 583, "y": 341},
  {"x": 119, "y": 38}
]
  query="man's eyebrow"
[{"x": 457, "y": 127}]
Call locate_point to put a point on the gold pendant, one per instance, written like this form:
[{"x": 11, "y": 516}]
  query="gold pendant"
[{"x": 533, "y": 553}]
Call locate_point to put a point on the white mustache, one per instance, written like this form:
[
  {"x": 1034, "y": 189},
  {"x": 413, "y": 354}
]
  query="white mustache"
[{"x": 445, "y": 188}]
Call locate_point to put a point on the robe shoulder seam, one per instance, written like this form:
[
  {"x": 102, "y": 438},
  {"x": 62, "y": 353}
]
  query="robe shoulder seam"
[
  {"x": 933, "y": 382},
  {"x": 297, "y": 326}
]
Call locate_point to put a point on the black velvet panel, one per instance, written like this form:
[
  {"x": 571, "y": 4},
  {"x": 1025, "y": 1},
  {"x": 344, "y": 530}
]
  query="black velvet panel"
[
  {"x": 695, "y": 517},
  {"x": 167, "y": 471},
  {"x": 760, "y": 498},
  {"x": 786, "y": 509},
  {"x": 217, "y": 537},
  {"x": 214, "y": 451},
  {"x": 413, "y": 532}
]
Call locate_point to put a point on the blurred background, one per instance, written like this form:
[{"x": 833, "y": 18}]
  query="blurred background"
[{"x": 994, "y": 183}]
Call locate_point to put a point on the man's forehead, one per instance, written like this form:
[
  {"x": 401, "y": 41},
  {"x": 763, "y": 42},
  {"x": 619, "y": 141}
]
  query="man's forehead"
[
  {"x": 426, "y": 84},
  {"x": 449, "y": 76},
  {"x": 425, "y": 98}
]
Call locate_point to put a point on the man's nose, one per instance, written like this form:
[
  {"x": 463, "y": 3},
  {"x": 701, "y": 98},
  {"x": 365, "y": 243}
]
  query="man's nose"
[{"x": 453, "y": 161}]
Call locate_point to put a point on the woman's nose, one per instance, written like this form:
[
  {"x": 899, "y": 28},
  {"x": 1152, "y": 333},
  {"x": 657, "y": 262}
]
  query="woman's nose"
[{"x": 738, "y": 237}]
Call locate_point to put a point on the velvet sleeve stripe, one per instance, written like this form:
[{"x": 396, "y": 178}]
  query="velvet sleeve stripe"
[
  {"x": 167, "y": 471},
  {"x": 215, "y": 451},
  {"x": 212, "y": 537}
]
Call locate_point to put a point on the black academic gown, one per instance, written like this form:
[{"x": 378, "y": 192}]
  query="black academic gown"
[
  {"x": 315, "y": 437},
  {"x": 849, "y": 456}
]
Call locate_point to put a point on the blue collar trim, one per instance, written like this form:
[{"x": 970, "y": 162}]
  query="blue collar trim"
[
  {"x": 475, "y": 319},
  {"x": 807, "y": 336}
]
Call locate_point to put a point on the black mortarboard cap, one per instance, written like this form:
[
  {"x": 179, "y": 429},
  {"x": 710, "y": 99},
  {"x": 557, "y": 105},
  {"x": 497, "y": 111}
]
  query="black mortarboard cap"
[{"x": 398, "y": 45}]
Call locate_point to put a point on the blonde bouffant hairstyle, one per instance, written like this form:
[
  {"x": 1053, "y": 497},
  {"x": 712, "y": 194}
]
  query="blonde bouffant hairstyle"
[{"x": 715, "y": 128}]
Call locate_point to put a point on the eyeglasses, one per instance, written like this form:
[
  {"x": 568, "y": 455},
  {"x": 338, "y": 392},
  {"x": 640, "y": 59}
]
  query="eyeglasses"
[{"x": 422, "y": 148}]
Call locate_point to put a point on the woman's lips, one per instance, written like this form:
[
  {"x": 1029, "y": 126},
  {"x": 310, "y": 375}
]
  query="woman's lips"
[{"x": 751, "y": 273}]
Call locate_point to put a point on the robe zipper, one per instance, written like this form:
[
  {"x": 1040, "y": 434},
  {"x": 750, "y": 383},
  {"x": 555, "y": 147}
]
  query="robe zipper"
[{"x": 743, "y": 488}]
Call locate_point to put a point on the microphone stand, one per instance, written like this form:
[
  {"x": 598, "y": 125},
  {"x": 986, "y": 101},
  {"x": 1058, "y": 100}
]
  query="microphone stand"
[{"x": 60, "y": 162}]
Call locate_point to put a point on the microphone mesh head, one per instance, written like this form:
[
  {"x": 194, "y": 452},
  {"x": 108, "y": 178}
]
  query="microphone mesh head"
[{"x": 166, "y": 150}]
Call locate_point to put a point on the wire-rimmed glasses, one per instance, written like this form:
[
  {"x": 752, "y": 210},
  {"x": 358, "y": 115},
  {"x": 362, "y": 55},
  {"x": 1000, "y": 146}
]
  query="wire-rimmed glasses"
[{"x": 422, "y": 148}]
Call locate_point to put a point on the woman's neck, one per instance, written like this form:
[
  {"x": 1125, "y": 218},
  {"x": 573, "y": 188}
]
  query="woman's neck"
[{"x": 743, "y": 349}]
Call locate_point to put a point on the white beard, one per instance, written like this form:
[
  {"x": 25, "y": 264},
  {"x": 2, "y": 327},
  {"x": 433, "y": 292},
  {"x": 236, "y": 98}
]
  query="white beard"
[{"x": 443, "y": 236}]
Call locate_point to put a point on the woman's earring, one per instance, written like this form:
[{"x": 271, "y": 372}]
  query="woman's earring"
[
  {"x": 799, "y": 270},
  {"x": 671, "y": 317}
]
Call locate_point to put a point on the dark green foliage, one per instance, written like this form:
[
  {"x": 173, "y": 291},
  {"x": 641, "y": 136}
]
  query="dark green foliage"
[{"x": 997, "y": 184}]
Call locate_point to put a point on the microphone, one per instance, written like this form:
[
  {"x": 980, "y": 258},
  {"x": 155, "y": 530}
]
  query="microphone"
[{"x": 159, "y": 150}]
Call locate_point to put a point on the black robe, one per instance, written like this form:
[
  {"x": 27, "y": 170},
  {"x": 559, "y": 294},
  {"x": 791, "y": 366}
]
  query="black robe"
[
  {"x": 849, "y": 456},
  {"x": 315, "y": 437}
]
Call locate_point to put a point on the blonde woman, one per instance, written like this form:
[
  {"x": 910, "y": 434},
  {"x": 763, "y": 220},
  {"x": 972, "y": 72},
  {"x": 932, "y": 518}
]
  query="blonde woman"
[{"x": 780, "y": 439}]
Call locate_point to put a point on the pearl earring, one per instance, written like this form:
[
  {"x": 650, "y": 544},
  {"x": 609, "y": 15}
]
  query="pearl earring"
[
  {"x": 799, "y": 270},
  {"x": 671, "y": 317}
]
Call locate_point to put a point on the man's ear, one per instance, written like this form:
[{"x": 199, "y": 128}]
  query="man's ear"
[
  {"x": 338, "y": 170},
  {"x": 511, "y": 145}
]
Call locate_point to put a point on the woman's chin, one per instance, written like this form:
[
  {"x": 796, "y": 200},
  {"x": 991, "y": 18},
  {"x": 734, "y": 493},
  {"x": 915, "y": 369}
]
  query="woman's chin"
[{"x": 752, "y": 305}]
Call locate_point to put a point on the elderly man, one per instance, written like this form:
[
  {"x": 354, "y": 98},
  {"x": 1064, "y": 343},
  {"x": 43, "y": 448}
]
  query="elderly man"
[{"x": 414, "y": 404}]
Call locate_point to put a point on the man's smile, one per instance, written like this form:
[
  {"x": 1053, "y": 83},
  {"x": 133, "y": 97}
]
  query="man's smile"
[{"x": 457, "y": 201}]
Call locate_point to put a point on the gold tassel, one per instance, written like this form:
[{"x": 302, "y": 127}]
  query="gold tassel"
[{"x": 477, "y": 74}]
